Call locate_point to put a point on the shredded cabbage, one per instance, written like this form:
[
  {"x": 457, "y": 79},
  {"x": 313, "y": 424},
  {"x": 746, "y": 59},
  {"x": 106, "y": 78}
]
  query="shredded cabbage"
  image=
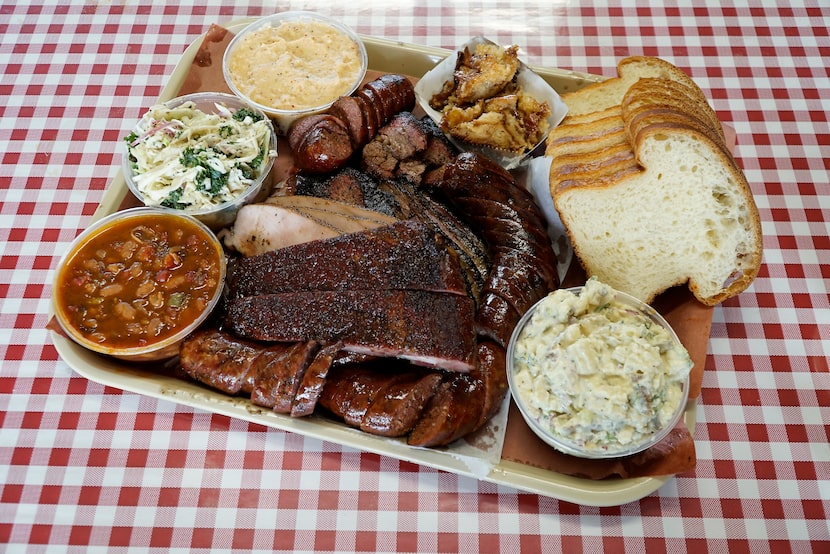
[{"x": 188, "y": 159}]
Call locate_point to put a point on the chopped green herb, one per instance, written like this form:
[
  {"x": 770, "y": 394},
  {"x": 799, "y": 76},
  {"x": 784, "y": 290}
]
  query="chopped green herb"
[
  {"x": 190, "y": 157},
  {"x": 242, "y": 113},
  {"x": 211, "y": 180},
  {"x": 172, "y": 200},
  {"x": 247, "y": 172}
]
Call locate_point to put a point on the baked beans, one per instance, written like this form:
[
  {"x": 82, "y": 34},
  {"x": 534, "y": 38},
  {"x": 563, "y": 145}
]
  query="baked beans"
[{"x": 140, "y": 280}]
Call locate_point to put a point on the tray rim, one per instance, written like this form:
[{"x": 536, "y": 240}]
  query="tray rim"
[{"x": 126, "y": 377}]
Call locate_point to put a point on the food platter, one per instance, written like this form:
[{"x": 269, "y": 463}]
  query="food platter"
[{"x": 156, "y": 382}]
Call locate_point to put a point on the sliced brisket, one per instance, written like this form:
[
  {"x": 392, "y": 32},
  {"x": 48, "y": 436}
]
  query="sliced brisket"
[
  {"x": 403, "y": 255},
  {"x": 348, "y": 185}
]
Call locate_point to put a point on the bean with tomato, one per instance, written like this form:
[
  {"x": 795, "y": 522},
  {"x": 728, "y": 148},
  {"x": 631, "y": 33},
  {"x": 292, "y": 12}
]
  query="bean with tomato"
[{"x": 140, "y": 280}]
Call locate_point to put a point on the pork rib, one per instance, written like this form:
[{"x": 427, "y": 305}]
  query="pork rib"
[{"x": 428, "y": 328}]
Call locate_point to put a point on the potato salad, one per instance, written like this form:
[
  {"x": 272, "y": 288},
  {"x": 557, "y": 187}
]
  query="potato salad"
[
  {"x": 185, "y": 158},
  {"x": 597, "y": 372}
]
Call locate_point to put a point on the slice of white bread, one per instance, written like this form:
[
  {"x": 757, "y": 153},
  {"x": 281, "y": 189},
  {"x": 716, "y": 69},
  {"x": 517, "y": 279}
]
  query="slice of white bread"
[
  {"x": 648, "y": 191},
  {"x": 609, "y": 93}
]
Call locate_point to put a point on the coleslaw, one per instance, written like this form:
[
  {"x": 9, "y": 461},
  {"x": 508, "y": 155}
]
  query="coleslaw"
[{"x": 188, "y": 159}]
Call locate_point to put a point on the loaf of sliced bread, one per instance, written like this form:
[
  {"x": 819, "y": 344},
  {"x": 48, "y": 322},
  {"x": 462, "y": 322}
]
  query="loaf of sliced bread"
[{"x": 647, "y": 189}]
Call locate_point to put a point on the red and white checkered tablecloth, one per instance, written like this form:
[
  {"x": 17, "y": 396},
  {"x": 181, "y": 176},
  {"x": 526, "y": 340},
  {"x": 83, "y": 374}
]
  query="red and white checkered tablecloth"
[{"x": 90, "y": 468}]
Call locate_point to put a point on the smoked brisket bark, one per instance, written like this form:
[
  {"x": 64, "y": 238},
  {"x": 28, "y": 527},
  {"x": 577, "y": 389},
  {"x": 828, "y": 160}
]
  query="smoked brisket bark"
[
  {"x": 428, "y": 328},
  {"x": 472, "y": 252},
  {"x": 404, "y": 255},
  {"x": 348, "y": 185}
]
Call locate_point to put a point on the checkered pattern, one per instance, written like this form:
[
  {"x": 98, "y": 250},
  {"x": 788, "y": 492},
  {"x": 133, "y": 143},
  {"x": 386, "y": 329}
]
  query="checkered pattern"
[{"x": 89, "y": 468}]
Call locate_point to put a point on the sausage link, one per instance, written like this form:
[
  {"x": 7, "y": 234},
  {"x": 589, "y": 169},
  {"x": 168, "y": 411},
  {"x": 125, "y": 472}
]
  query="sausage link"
[
  {"x": 322, "y": 143},
  {"x": 515, "y": 232}
]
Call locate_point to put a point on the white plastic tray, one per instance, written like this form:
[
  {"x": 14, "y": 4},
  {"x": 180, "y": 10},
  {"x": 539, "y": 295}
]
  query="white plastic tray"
[{"x": 386, "y": 56}]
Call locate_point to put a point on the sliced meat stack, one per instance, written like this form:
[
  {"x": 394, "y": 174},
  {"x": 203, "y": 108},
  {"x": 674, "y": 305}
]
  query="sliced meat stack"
[
  {"x": 391, "y": 291},
  {"x": 406, "y": 255}
]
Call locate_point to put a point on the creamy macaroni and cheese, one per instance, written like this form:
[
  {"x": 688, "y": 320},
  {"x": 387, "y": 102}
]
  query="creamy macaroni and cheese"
[
  {"x": 597, "y": 372},
  {"x": 295, "y": 65}
]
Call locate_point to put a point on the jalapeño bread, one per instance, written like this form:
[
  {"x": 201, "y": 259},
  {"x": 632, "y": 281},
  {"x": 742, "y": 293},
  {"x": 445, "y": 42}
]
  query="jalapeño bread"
[{"x": 647, "y": 189}]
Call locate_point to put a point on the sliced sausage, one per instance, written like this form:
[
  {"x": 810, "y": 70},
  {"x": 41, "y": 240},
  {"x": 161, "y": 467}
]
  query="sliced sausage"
[
  {"x": 398, "y": 406},
  {"x": 219, "y": 360},
  {"x": 325, "y": 147},
  {"x": 350, "y": 111},
  {"x": 289, "y": 375},
  {"x": 453, "y": 412},
  {"x": 313, "y": 381}
]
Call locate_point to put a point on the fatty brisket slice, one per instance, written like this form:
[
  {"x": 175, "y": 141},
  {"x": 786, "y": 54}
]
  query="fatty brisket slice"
[
  {"x": 403, "y": 255},
  {"x": 433, "y": 329}
]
